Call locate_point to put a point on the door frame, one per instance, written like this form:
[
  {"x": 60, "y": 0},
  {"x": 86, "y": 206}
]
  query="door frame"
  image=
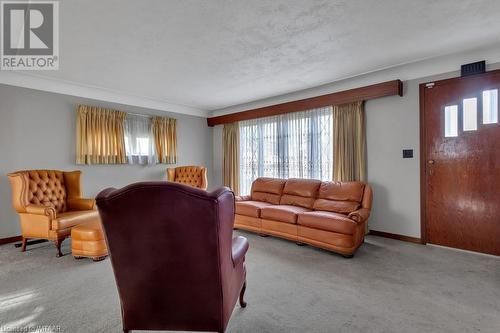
[{"x": 423, "y": 146}]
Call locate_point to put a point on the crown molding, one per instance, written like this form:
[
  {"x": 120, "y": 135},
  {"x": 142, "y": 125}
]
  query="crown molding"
[
  {"x": 39, "y": 82},
  {"x": 407, "y": 71}
]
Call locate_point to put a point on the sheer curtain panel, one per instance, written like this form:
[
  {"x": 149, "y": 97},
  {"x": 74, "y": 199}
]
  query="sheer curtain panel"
[
  {"x": 139, "y": 142},
  {"x": 292, "y": 145}
]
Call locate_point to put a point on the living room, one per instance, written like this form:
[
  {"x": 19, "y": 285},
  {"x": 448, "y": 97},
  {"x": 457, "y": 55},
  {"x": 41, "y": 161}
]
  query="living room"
[{"x": 232, "y": 166}]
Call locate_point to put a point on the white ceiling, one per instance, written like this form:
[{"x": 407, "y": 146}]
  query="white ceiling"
[{"x": 211, "y": 54}]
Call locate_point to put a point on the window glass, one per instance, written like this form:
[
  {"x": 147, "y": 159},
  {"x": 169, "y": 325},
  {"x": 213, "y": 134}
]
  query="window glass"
[
  {"x": 470, "y": 114},
  {"x": 451, "y": 121},
  {"x": 139, "y": 141},
  {"x": 490, "y": 106},
  {"x": 293, "y": 145}
]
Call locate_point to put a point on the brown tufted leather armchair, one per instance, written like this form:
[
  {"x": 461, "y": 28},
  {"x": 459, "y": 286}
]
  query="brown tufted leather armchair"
[
  {"x": 181, "y": 271},
  {"x": 191, "y": 175},
  {"x": 49, "y": 204}
]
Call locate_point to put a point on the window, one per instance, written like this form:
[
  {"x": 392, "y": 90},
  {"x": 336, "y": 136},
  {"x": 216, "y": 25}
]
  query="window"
[
  {"x": 490, "y": 106},
  {"x": 293, "y": 145},
  {"x": 451, "y": 121},
  {"x": 139, "y": 140},
  {"x": 470, "y": 114}
]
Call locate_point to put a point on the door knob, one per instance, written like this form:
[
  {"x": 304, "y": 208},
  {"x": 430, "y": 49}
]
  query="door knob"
[{"x": 430, "y": 161}]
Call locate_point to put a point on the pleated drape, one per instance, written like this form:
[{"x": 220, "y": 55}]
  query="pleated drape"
[
  {"x": 231, "y": 156},
  {"x": 100, "y": 136},
  {"x": 165, "y": 137},
  {"x": 349, "y": 142}
]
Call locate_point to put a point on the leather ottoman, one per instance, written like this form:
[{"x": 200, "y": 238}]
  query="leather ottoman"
[{"x": 87, "y": 241}]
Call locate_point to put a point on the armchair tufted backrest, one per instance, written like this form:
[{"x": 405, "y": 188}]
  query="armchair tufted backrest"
[
  {"x": 44, "y": 187},
  {"x": 195, "y": 176}
]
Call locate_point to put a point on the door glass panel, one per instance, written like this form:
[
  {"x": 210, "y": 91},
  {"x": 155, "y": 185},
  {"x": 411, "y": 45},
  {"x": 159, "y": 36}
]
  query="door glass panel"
[
  {"x": 470, "y": 114},
  {"x": 490, "y": 106},
  {"x": 451, "y": 121}
]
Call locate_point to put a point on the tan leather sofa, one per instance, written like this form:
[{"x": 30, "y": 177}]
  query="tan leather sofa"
[
  {"x": 195, "y": 176},
  {"x": 328, "y": 215},
  {"x": 49, "y": 204}
]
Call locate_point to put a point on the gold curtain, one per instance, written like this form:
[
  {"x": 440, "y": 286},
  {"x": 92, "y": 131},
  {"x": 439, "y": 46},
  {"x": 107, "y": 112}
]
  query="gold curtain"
[
  {"x": 349, "y": 142},
  {"x": 165, "y": 136},
  {"x": 231, "y": 156},
  {"x": 100, "y": 136}
]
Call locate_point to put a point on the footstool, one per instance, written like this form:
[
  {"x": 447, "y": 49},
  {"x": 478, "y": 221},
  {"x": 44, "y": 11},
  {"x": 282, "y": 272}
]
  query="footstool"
[{"x": 87, "y": 241}]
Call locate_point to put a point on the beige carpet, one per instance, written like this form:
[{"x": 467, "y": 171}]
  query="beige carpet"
[{"x": 389, "y": 286}]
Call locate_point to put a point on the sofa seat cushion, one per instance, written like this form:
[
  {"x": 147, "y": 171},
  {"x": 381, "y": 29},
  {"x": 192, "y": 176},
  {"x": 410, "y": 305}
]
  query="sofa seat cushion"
[
  {"x": 282, "y": 213},
  {"x": 250, "y": 208},
  {"x": 327, "y": 221},
  {"x": 70, "y": 219}
]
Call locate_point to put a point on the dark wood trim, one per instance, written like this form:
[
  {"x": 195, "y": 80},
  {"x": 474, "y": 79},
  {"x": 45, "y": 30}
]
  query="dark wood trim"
[
  {"x": 10, "y": 240},
  {"x": 396, "y": 236},
  {"x": 472, "y": 78},
  {"x": 423, "y": 157},
  {"x": 389, "y": 88}
]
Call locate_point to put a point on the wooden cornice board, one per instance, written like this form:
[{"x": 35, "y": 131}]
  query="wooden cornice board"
[{"x": 389, "y": 88}]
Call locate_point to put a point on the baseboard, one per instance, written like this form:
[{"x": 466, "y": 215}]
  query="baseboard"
[
  {"x": 396, "y": 236},
  {"x": 10, "y": 239}
]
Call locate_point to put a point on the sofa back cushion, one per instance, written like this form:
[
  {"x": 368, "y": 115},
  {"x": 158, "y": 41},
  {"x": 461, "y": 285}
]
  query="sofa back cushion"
[
  {"x": 300, "y": 192},
  {"x": 339, "y": 197},
  {"x": 267, "y": 190},
  {"x": 46, "y": 187}
]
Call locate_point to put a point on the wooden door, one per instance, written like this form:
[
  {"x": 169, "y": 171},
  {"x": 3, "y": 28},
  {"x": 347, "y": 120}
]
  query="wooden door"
[{"x": 460, "y": 162}]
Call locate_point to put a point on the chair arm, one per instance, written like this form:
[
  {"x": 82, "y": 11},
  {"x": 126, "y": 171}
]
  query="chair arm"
[
  {"x": 49, "y": 211},
  {"x": 242, "y": 198},
  {"x": 81, "y": 204},
  {"x": 360, "y": 215},
  {"x": 240, "y": 247}
]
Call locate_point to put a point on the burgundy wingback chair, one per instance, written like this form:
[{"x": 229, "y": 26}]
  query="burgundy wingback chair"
[{"x": 175, "y": 261}]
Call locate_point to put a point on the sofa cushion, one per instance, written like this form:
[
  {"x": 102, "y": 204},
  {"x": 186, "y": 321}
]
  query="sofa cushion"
[
  {"x": 327, "y": 221},
  {"x": 70, "y": 219},
  {"x": 267, "y": 190},
  {"x": 339, "y": 197},
  {"x": 250, "y": 208},
  {"x": 282, "y": 213},
  {"x": 300, "y": 192}
]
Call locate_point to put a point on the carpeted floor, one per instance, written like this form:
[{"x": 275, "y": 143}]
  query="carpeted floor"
[{"x": 389, "y": 286}]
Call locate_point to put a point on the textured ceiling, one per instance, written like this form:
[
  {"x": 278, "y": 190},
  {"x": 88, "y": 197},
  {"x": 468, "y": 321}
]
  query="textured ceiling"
[{"x": 214, "y": 54}]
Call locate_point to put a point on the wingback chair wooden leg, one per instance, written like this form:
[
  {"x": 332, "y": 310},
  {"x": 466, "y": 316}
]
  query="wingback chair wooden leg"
[
  {"x": 243, "y": 304},
  {"x": 58, "y": 243},
  {"x": 23, "y": 246}
]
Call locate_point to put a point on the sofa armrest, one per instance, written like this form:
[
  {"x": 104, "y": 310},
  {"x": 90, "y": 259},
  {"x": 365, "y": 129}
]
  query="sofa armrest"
[
  {"x": 81, "y": 204},
  {"x": 240, "y": 247},
  {"x": 242, "y": 198},
  {"x": 360, "y": 215},
  {"x": 49, "y": 211}
]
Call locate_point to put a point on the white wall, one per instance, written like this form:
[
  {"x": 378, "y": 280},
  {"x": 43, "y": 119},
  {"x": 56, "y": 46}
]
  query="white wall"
[
  {"x": 37, "y": 131},
  {"x": 392, "y": 124}
]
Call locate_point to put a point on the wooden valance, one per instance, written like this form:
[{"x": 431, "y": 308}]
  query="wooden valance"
[{"x": 389, "y": 88}]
